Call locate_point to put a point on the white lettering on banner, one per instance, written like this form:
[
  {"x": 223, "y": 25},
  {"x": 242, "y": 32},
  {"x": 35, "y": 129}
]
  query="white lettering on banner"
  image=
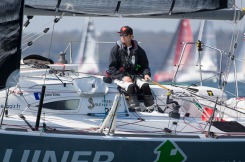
[
  {"x": 65, "y": 156},
  {"x": 49, "y": 155},
  {"x": 99, "y": 154},
  {"x": 7, "y": 155},
  {"x": 36, "y": 155},
  {"x": 78, "y": 154},
  {"x": 25, "y": 156}
]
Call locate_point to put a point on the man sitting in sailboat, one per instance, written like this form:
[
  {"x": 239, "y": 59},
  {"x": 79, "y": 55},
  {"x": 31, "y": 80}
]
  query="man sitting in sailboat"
[{"x": 129, "y": 66}]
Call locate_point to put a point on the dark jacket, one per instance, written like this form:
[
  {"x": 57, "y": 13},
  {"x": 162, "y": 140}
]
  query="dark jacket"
[{"x": 123, "y": 65}]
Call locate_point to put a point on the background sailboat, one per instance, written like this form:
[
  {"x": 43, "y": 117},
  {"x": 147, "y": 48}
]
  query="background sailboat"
[
  {"x": 88, "y": 57},
  {"x": 183, "y": 34},
  {"x": 207, "y": 67}
]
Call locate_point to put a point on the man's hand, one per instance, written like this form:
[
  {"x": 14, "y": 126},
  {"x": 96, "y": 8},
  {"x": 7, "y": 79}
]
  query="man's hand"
[{"x": 147, "y": 77}]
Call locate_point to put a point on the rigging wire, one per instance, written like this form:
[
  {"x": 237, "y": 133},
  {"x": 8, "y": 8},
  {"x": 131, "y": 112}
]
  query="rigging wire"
[
  {"x": 232, "y": 46},
  {"x": 56, "y": 20},
  {"x": 231, "y": 58},
  {"x": 39, "y": 33},
  {"x": 31, "y": 42},
  {"x": 37, "y": 29}
]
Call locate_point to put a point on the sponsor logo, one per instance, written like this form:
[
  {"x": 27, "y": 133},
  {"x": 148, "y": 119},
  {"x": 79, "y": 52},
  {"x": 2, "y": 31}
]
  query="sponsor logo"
[
  {"x": 210, "y": 93},
  {"x": 91, "y": 101},
  {"x": 12, "y": 106},
  {"x": 103, "y": 103},
  {"x": 37, "y": 95},
  {"x": 169, "y": 152}
]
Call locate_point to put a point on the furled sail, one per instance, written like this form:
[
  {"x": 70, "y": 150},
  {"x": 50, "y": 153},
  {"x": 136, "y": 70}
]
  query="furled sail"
[
  {"x": 191, "y": 9},
  {"x": 11, "y": 18}
]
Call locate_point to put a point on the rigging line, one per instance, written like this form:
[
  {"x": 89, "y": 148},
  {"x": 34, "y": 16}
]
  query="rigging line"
[
  {"x": 37, "y": 29},
  {"x": 58, "y": 78},
  {"x": 31, "y": 42},
  {"x": 164, "y": 87},
  {"x": 19, "y": 126},
  {"x": 232, "y": 44},
  {"x": 69, "y": 45},
  {"x": 231, "y": 94},
  {"x": 136, "y": 123},
  {"x": 100, "y": 74},
  {"x": 237, "y": 59},
  {"x": 234, "y": 64},
  {"x": 154, "y": 96},
  {"x": 30, "y": 37},
  {"x": 188, "y": 124},
  {"x": 51, "y": 41},
  {"x": 197, "y": 82},
  {"x": 234, "y": 61},
  {"x": 241, "y": 81},
  {"x": 76, "y": 74}
]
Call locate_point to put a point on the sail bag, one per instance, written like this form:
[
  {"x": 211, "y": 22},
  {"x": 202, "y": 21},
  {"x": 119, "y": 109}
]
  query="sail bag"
[{"x": 90, "y": 87}]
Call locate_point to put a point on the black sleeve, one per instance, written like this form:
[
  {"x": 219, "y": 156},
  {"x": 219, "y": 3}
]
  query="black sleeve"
[
  {"x": 143, "y": 62},
  {"x": 114, "y": 64},
  {"x": 113, "y": 61}
]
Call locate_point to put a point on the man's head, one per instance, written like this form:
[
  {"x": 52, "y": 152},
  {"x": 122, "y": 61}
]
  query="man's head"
[
  {"x": 126, "y": 30},
  {"x": 126, "y": 34}
]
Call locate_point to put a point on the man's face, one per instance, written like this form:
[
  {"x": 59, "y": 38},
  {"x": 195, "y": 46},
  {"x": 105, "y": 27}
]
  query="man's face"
[{"x": 126, "y": 38}]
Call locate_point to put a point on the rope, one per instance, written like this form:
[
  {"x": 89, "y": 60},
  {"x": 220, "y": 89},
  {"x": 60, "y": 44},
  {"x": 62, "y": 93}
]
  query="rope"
[{"x": 164, "y": 87}]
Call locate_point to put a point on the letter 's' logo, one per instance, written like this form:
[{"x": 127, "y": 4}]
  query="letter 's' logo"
[{"x": 90, "y": 100}]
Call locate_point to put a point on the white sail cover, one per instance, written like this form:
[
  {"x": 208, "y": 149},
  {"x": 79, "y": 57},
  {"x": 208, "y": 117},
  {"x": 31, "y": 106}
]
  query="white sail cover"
[{"x": 133, "y": 8}]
